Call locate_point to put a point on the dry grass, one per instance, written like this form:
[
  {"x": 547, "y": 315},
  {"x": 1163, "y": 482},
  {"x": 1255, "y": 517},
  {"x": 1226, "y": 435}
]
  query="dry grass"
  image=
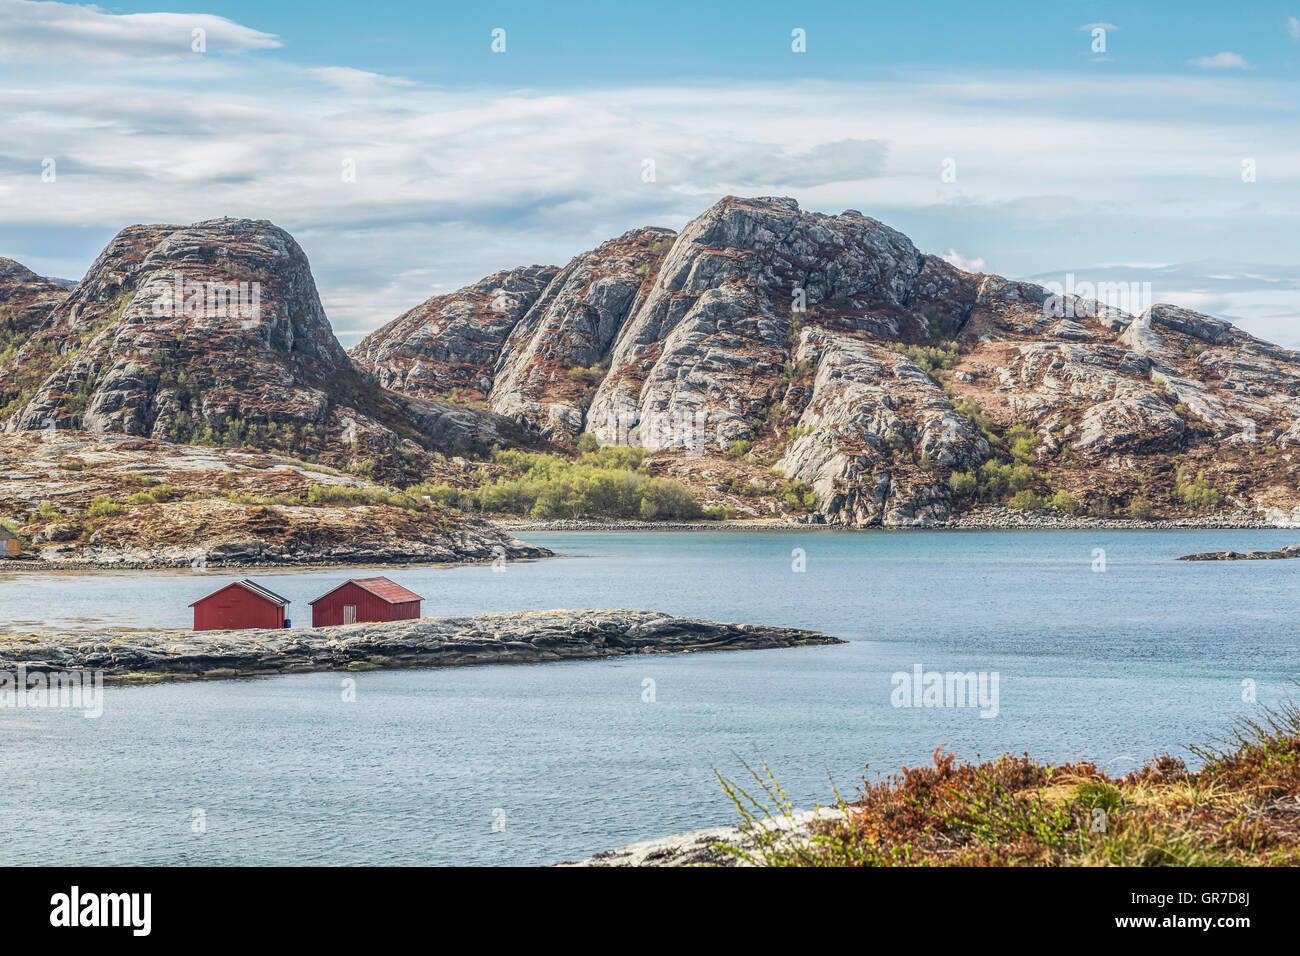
[{"x": 1240, "y": 808}]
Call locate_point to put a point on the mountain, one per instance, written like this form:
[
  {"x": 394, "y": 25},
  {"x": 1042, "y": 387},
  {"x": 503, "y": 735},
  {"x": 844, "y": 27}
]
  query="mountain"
[
  {"x": 213, "y": 333},
  {"x": 902, "y": 389},
  {"x": 528, "y": 342},
  {"x": 770, "y": 358},
  {"x": 26, "y": 301}
]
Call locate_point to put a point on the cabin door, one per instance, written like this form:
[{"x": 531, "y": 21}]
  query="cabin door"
[{"x": 349, "y": 614}]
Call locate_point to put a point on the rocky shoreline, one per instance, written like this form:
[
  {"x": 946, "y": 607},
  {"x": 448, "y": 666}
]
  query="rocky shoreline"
[
  {"x": 517, "y": 637},
  {"x": 1010, "y": 519},
  {"x": 465, "y": 548},
  {"x": 985, "y": 519},
  {"x": 703, "y": 847}
]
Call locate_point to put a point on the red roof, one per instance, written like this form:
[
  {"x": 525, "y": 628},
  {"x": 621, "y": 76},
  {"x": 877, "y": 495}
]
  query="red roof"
[
  {"x": 248, "y": 586},
  {"x": 381, "y": 588}
]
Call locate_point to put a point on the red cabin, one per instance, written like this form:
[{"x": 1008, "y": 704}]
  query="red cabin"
[
  {"x": 365, "y": 599},
  {"x": 238, "y": 605}
]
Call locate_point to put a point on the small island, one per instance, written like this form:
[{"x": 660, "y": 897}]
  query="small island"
[
  {"x": 1288, "y": 551},
  {"x": 126, "y": 656}
]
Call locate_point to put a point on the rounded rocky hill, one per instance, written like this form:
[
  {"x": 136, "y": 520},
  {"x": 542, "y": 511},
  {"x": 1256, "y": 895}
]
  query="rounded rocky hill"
[{"x": 214, "y": 333}]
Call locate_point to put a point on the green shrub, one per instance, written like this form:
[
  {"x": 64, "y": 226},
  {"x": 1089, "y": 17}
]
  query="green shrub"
[
  {"x": 930, "y": 357},
  {"x": 1195, "y": 492},
  {"x": 1026, "y": 500},
  {"x": 963, "y": 483},
  {"x": 999, "y": 480},
  {"x": 1139, "y": 508},
  {"x": 1021, "y": 442},
  {"x": 348, "y": 495},
  {"x": 1063, "y": 501},
  {"x": 667, "y": 500},
  {"x": 102, "y": 507}
]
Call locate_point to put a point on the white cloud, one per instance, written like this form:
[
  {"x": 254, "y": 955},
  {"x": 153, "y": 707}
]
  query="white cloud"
[
  {"x": 51, "y": 32},
  {"x": 1293, "y": 27},
  {"x": 454, "y": 185},
  {"x": 359, "y": 82},
  {"x": 1222, "y": 61},
  {"x": 1089, "y": 27},
  {"x": 955, "y": 258}
]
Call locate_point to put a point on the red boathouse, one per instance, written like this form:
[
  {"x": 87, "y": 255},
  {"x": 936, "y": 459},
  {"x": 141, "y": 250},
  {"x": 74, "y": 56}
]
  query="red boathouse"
[
  {"x": 239, "y": 604},
  {"x": 365, "y": 599}
]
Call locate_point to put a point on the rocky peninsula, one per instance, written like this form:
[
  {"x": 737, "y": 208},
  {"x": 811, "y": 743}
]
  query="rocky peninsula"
[{"x": 516, "y": 638}]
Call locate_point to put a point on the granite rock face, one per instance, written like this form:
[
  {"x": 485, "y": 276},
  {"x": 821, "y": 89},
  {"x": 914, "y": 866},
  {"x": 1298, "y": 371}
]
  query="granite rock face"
[
  {"x": 534, "y": 343},
  {"x": 558, "y": 353},
  {"x": 26, "y": 300},
  {"x": 799, "y": 333},
  {"x": 865, "y": 403},
  {"x": 523, "y": 637},
  {"x": 449, "y": 346},
  {"x": 210, "y": 332}
]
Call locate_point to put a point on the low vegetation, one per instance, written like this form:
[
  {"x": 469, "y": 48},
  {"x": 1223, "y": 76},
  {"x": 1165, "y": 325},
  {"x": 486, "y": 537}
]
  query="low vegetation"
[
  {"x": 1237, "y": 809},
  {"x": 608, "y": 482},
  {"x": 932, "y": 358}
]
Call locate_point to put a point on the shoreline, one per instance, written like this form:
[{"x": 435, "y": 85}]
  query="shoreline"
[
  {"x": 988, "y": 519},
  {"x": 126, "y": 656},
  {"x": 215, "y": 567},
  {"x": 704, "y": 847},
  {"x": 991, "y": 519}
]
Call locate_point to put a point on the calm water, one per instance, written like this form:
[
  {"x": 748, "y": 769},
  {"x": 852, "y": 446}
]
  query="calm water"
[{"x": 1112, "y": 666}]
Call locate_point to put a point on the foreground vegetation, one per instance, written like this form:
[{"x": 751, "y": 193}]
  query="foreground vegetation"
[{"x": 1242, "y": 807}]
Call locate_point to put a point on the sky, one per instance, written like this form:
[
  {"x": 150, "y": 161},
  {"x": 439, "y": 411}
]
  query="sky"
[{"x": 409, "y": 157}]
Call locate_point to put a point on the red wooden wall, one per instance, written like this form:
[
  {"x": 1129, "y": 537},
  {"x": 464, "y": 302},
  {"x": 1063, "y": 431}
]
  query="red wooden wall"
[
  {"x": 236, "y": 607},
  {"x": 328, "y": 611}
]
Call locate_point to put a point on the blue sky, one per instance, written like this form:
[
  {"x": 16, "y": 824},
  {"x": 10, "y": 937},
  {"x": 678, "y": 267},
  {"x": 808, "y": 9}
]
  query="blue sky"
[
  {"x": 566, "y": 44},
  {"x": 468, "y": 161}
]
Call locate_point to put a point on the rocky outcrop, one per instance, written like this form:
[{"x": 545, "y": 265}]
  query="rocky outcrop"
[
  {"x": 1289, "y": 551},
  {"x": 701, "y": 357},
  {"x": 533, "y": 343},
  {"x": 523, "y": 637},
  {"x": 557, "y": 354},
  {"x": 211, "y": 332},
  {"x": 26, "y": 300},
  {"x": 869, "y": 415},
  {"x": 449, "y": 346},
  {"x": 715, "y": 846}
]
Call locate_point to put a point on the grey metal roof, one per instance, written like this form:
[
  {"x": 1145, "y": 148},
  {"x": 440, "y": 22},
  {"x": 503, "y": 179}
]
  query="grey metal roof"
[{"x": 270, "y": 595}]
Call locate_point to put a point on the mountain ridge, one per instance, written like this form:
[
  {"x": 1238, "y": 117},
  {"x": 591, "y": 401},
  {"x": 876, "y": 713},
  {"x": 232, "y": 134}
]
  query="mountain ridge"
[{"x": 761, "y": 344}]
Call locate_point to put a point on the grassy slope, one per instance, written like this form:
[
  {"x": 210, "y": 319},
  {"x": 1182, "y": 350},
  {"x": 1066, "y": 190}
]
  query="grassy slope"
[{"x": 1242, "y": 807}]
